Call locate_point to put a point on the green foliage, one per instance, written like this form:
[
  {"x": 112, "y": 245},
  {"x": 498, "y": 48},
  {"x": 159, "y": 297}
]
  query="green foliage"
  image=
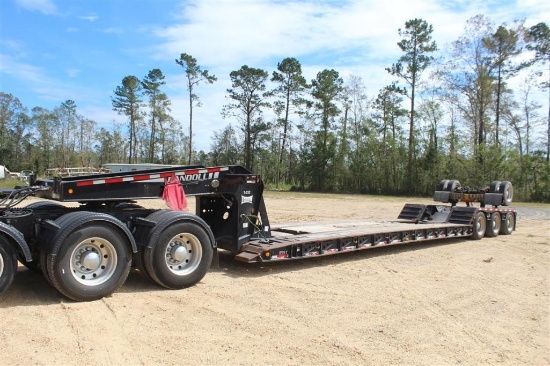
[
  {"x": 249, "y": 95},
  {"x": 330, "y": 135},
  {"x": 194, "y": 75},
  {"x": 417, "y": 46},
  {"x": 10, "y": 183},
  {"x": 127, "y": 102}
]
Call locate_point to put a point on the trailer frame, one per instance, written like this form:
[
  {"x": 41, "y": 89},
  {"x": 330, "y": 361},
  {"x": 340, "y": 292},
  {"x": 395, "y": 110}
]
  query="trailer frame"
[{"x": 86, "y": 252}]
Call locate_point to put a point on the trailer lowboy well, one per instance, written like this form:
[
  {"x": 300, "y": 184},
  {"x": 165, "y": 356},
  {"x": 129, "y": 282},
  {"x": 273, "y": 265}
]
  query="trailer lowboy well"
[{"x": 86, "y": 252}]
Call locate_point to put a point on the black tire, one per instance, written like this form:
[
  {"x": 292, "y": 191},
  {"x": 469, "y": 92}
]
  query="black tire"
[
  {"x": 8, "y": 264},
  {"x": 507, "y": 191},
  {"x": 180, "y": 257},
  {"x": 442, "y": 186},
  {"x": 453, "y": 185},
  {"x": 93, "y": 261},
  {"x": 480, "y": 226},
  {"x": 494, "y": 226},
  {"x": 137, "y": 260},
  {"x": 494, "y": 187},
  {"x": 508, "y": 224},
  {"x": 44, "y": 266}
]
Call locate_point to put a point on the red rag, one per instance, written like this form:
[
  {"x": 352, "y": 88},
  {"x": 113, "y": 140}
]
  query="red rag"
[{"x": 173, "y": 194}]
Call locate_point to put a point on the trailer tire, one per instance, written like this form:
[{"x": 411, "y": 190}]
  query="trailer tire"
[
  {"x": 453, "y": 185},
  {"x": 8, "y": 264},
  {"x": 93, "y": 261},
  {"x": 180, "y": 257},
  {"x": 44, "y": 266},
  {"x": 480, "y": 226},
  {"x": 494, "y": 227},
  {"x": 508, "y": 224},
  {"x": 507, "y": 191},
  {"x": 138, "y": 258},
  {"x": 442, "y": 186},
  {"x": 494, "y": 187}
]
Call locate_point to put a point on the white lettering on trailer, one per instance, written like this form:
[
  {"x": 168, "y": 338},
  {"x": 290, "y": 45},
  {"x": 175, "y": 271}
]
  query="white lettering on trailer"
[{"x": 204, "y": 175}]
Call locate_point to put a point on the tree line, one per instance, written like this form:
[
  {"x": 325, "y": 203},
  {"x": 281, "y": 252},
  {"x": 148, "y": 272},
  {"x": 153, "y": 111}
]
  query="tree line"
[{"x": 448, "y": 114}]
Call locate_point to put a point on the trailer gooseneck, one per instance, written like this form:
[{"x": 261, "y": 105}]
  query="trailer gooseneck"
[{"x": 87, "y": 252}]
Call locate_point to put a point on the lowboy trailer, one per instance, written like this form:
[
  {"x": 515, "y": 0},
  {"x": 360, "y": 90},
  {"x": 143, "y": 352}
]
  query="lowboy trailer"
[{"x": 86, "y": 252}]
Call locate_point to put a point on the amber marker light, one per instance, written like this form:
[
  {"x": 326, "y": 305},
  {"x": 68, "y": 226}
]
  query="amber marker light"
[
  {"x": 267, "y": 254},
  {"x": 70, "y": 191}
]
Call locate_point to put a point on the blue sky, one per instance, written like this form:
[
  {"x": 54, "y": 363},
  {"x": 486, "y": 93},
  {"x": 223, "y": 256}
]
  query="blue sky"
[{"x": 54, "y": 50}]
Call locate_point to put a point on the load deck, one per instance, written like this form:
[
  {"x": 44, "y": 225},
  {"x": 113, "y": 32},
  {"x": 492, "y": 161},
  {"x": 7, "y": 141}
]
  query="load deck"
[{"x": 300, "y": 239}]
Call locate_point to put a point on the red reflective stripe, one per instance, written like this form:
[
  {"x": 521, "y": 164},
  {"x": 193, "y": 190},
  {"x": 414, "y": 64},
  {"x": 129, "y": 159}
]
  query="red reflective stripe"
[
  {"x": 113, "y": 180},
  {"x": 142, "y": 177},
  {"x": 85, "y": 183}
]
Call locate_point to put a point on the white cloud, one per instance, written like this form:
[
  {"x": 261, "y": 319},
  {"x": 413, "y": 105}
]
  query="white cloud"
[
  {"x": 91, "y": 18},
  {"x": 43, "y": 6}
]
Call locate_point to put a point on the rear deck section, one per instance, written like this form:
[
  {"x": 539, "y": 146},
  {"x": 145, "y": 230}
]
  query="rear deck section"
[{"x": 302, "y": 240}]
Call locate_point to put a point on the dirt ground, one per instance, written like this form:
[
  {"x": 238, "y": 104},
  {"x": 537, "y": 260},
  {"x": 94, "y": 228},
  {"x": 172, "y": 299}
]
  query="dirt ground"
[{"x": 449, "y": 302}]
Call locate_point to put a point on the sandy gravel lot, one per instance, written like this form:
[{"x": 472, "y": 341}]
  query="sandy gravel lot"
[{"x": 450, "y": 302}]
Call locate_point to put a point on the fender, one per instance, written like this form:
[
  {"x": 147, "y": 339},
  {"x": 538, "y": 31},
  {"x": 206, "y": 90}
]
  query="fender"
[
  {"x": 175, "y": 216},
  {"x": 16, "y": 236},
  {"x": 71, "y": 221}
]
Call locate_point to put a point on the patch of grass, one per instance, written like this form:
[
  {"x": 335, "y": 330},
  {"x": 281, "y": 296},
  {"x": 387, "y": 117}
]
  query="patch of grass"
[{"x": 10, "y": 183}]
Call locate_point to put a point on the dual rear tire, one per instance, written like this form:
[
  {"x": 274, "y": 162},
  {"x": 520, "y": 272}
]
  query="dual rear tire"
[
  {"x": 93, "y": 256},
  {"x": 178, "y": 250},
  {"x": 505, "y": 188},
  {"x": 92, "y": 253}
]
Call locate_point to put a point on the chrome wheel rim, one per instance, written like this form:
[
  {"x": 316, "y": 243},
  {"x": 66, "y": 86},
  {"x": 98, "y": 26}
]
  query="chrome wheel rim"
[
  {"x": 1, "y": 265},
  {"x": 93, "y": 261},
  {"x": 510, "y": 222},
  {"x": 183, "y": 254},
  {"x": 481, "y": 226}
]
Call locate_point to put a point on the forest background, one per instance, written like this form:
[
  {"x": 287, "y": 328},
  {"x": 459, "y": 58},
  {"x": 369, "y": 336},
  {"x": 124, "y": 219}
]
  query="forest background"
[{"x": 450, "y": 113}]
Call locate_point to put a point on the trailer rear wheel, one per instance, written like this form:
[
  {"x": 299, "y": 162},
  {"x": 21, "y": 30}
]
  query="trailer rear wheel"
[
  {"x": 8, "y": 264},
  {"x": 494, "y": 227},
  {"x": 93, "y": 262},
  {"x": 180, "y": 257},
  {"x": 443, "y": 185},
  {"x": 509, "y": 222},
  {"x": 453, "y": 185},
  {"x": 138, "y": 258},
  {"x": 507, "y": 191},
  {"x": 480, "y": 226},
  {"x": 494, "y": 187}
]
